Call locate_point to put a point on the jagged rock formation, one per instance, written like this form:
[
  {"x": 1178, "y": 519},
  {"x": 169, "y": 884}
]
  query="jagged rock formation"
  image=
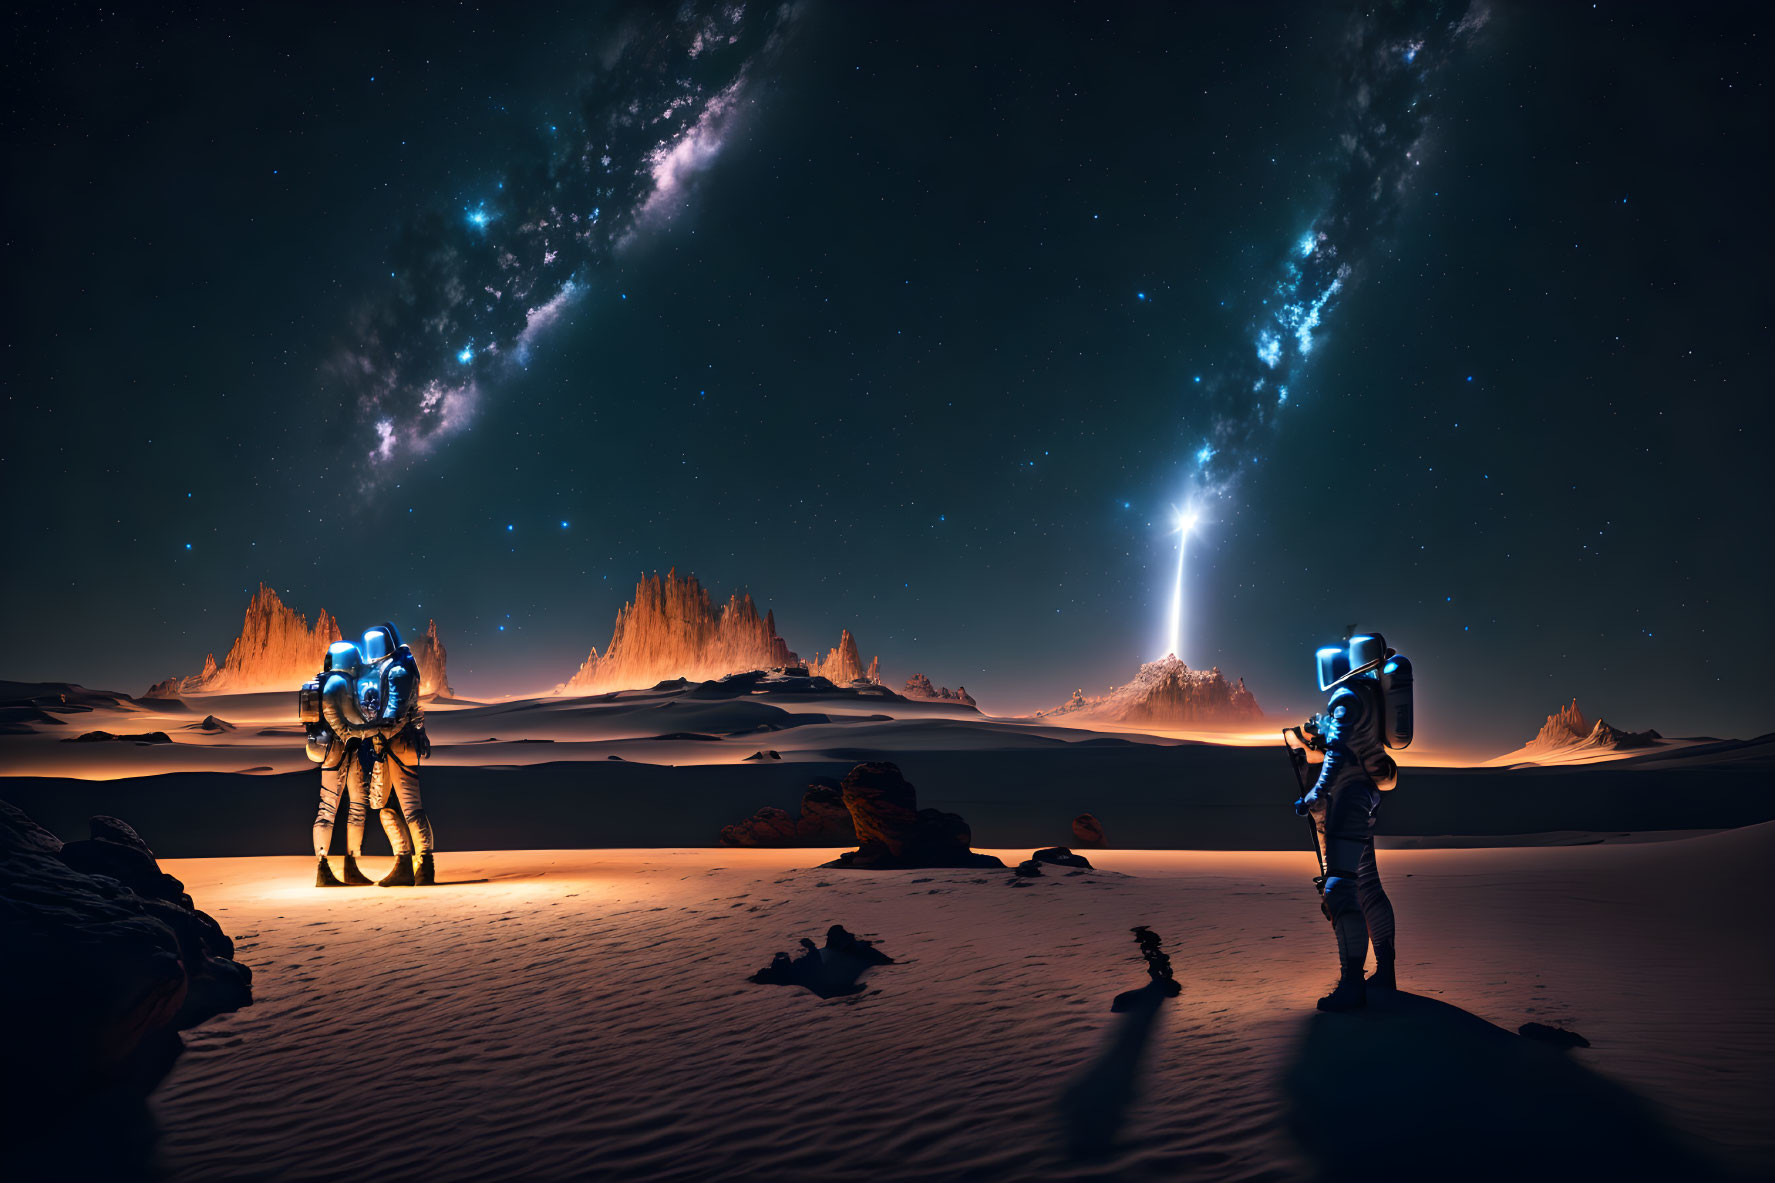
[
  {"x": 919, "y": 686},
  {"x": 107, "y": 960},
  {"x": 892, "y": 832},
  {"x": 276, "y": 650},
  {"x": 1167, "y": 693},
  {"x": 672, "y": 629},
  {"x": 1568, "y": 733},
  {"x": 429, "y": 653},
  {"x": 844, "y": 664}
]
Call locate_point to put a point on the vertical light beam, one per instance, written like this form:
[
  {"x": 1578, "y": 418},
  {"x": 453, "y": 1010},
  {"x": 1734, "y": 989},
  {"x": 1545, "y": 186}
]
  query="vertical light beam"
[{"x": 1186, "y": 521}]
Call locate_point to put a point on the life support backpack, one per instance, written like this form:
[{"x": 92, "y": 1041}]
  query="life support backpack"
[
  {"x": 1396, "y": 716},
  {"x": 404, "y": 658}
]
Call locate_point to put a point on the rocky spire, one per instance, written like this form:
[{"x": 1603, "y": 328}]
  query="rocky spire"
[
  {"x": 276, "y": 650},
  {"x": 673, "y": 629}
]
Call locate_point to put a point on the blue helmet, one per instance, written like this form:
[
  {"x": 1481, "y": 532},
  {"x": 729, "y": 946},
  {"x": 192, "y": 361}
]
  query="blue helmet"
[
  {"x": 1338, "y": 665},
  {"x": 381, "y": 642},
  {"x": 343, "y": 657}
]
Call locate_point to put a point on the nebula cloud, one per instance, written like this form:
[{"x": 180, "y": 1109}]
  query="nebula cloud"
[
  {"x": 472, "y": 290},
  {"x": 1393, "y": 57}
]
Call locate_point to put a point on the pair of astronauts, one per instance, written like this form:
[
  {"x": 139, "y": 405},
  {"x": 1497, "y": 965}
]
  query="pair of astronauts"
[
  {"x": 1369, "y": 710},
  {"x": 368, "y": 742}
]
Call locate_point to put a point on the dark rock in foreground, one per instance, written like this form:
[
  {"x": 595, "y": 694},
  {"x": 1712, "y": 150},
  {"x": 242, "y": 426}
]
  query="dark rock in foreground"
[
  {"x": 1060, "y": 856},
  {"x": 824, "y": 821},
  {"x": 831, "y": 971},
  {"x": 1557, "y": 1036},
  {"x": 106, "y": 961},
  {"x": 892, "y": 832}
]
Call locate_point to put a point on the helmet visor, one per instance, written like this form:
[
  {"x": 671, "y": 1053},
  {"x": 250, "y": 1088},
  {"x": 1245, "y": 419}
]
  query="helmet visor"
[{"x": 1334, "y": 663}]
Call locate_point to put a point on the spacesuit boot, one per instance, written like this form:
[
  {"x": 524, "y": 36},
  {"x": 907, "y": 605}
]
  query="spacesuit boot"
[
  {"x": 1350, "y": 993},
  {"x": 401, "y": 875},
  {"x": 1382, "y": 978},
  {"x": 425, "y": 871},
  {"x": 352, "y": 876},
  {"x": 323, "y": 875}
]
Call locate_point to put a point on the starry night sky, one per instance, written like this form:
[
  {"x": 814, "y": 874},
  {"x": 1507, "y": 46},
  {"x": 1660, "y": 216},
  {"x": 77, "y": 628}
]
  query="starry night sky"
[{"x": 904, "y": 339}]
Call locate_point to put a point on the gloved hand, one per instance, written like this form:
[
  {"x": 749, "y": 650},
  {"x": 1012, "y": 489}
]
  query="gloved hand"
[{"x": 1304, "y": 805}]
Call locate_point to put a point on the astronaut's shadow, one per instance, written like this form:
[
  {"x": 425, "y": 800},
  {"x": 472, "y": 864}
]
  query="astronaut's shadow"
[{"x": 1413, "y": 1088}]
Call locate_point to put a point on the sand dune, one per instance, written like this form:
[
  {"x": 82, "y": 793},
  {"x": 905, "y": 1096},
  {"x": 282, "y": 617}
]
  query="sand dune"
[
  {"x": 559, "y": 1014},
  {"x": 552, "y": 772}
]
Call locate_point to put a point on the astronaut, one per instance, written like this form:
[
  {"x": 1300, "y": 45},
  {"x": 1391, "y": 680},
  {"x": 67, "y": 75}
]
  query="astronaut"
[
  {"x": 388, "y": 691},
  {"x": 1355, "y": 731},
  {"x": 334, "y": 742}
]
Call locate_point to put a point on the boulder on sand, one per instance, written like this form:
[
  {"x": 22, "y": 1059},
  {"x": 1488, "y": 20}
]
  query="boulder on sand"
[
  {"x": 1087, "y": 831},
  {"x": 892, "y": 832},
  {"x": 1060, "y": 856},
  {"x": 106, "y": 962}
]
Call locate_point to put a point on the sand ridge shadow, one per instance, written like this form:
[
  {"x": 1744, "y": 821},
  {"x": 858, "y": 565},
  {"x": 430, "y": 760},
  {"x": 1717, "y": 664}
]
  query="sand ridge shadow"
[{"x": 1415, "y": 1088}]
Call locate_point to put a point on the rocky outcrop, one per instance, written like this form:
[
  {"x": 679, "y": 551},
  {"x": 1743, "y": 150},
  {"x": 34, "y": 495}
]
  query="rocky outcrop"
[
  {"x": 276, "y": 650},
  {"x": 1568, "y": 733},
  {"x": 107, "y": 960},
  {"x": 919, "y": 687},
  {"x": 1563, "y": 727},
  {"x": 892, "y": 832},
  {"x": 844, "y": 664},
  {"x": 672, "y": 629},
  {"x": 824, "y": 821},
  {"x": 1167, "y": 693},
  {"x": 429, "y": 653}
]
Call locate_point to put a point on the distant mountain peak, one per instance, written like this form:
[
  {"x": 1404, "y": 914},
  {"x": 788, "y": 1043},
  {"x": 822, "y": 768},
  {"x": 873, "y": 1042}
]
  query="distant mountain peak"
[{"x": 1167, "y": 693}]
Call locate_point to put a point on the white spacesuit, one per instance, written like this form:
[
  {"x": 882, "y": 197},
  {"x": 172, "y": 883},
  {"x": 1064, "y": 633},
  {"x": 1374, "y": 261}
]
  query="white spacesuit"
[
  {"x": 388, "y": 691},
  {"x": 334, "y": 746}
]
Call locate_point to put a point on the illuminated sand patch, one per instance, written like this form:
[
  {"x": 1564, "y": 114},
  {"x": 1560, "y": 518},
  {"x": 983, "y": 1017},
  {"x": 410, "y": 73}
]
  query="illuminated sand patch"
[{"x": 586, "y": 1013}]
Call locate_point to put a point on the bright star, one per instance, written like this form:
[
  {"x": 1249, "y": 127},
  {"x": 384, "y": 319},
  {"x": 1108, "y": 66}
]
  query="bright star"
[{"x": 467, "y": 355}]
